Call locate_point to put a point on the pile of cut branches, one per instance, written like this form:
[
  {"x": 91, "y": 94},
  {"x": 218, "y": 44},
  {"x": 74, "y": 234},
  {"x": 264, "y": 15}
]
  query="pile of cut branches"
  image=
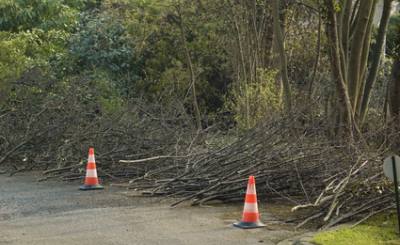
[
  {"x": 334, "y": 181},
  {"x": 53, "y": 133},
  {"x": 292, "y": 158}
]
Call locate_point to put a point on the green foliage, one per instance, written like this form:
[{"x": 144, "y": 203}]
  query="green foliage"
[
  {"x": 135, "y": 45},
  {"x": 113, "y": 39},
  {"x": 136, "y": 48},
  {"x": 102, "y": 42},
  {"x": 32, "y": 34},
  {"x": 24, "y": 51},
  {"x": 12, "y": 62},
  {"x": 13, "y": 58},
  {"x": 22, "y": 15},
  {"x": 164, "y": 61},
  {"x": 251, "y": 103},
  {"x": 337, "y": 6},
  {"x": 377, "y": 230},
  {"x": 104, "y": 93}
]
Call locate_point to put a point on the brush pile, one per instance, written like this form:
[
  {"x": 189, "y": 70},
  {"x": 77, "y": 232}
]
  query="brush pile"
[
  {"x": 53, "y": 133},
  {"x": 292, "y": 158},
  {"x": 333, "y": 182}
]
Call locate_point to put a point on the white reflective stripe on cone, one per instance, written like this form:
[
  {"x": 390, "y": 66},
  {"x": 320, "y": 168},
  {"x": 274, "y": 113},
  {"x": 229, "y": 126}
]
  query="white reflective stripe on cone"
[
  {"x": 91, "y": 158},
  {"x": 251, "y": 189},
  {"x": 91, "y": 173},
  {"x": 250, "y": 208}
]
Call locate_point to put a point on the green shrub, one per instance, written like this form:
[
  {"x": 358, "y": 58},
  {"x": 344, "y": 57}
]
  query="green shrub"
[
  {"x": 252, "y": 102},
  {"x": 23, "y": 15}
]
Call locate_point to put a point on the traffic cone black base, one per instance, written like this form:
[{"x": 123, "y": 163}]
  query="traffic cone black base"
[
  {"x": 249, "y": 225},
  {"x": 91, "y": 187}
]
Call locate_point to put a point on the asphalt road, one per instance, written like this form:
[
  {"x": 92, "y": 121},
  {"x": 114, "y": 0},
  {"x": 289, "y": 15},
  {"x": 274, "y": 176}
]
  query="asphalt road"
[{"x": 54, "y": 212}]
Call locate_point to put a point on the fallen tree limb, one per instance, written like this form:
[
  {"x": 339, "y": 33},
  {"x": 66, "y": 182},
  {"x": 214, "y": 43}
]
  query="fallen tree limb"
[
  {"x": 63, "y": 169},
  {"x": 153, "y": 159}
]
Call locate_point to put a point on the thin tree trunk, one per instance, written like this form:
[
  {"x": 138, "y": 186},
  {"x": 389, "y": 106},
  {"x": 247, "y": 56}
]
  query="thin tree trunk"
[
  {"x": 280, "y": 45},
  {"x": 191, "y": 69},
  {"x": 310, "y": 86},
  {"x": 364, "y": 64},
  {"x": 394, "y": 96},
  {"x": 344, "y": 36},
  {"x": 345, "y": 28},
  {"x": 357, "y": 46},
  {"x": 376, "y": 57},
  {"x": 243, "y": 84},
  {"x": 344, "y": 98}
]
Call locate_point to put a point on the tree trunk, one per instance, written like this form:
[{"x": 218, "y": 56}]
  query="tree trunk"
[
  {"x": 356, "y": 53},
  {"x": 364, "y": 64},
  {"x": 191, "y": 70},
  {"x": 376, "y": 57},
  {"x": 280, "y": 45},
  {"x": 394, "y": 93},
  {"x": 334, "y": 46},
  {"x": 317, "y": 58}
]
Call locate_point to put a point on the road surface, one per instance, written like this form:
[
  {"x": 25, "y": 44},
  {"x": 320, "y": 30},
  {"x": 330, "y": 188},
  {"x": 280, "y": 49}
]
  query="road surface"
[{"x": 54, "y": 212}]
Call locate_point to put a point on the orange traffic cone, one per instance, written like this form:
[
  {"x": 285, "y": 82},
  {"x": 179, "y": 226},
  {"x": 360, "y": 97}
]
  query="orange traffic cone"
[
  {"x": 251, "y": 217},
  {"x": 91, "y": 180}
]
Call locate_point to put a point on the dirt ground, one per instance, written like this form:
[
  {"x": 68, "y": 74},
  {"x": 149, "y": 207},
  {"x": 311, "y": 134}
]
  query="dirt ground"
[{"x": 54, "y": 212}]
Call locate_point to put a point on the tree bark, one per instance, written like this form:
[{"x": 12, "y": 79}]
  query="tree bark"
[
  {"x": 364, "y": 63},
  {"x": 394, "y": 93},
  {"x": 334, "y": 46},
  {"x": 356, "y": 52},
  {"x": 280, "y": 45},
  {"x": 376, "y": 57}
]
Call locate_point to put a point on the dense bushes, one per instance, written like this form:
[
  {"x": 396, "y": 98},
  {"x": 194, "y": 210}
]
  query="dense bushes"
[{"x": 134, "y": 49}]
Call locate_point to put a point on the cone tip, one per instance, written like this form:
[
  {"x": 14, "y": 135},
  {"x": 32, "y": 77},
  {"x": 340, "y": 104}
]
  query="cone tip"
[
  {"x": 91, "y": 151},
  {"x": 252, "y": 180}
]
